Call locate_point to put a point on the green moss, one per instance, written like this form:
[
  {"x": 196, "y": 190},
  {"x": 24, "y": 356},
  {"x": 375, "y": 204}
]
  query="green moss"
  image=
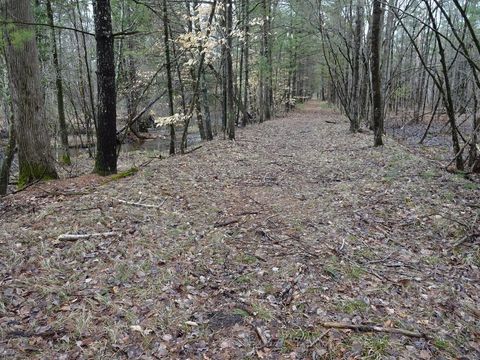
[
  {"x": 66, "y": 159},
  {"x": 31, "y": 172},
  {"x": 130, "y": 172}
]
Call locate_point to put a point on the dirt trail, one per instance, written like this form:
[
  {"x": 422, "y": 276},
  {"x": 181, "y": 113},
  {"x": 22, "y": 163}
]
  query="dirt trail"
[{"x": 248, "y": 249}]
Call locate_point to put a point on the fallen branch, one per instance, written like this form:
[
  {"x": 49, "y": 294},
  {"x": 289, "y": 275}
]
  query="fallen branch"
[
  {"x": 75, "y": 237},
  {"x": 192, "y": 150},
  {"x": 373, "y": 328},
  {"x": 140, "y": 204}
]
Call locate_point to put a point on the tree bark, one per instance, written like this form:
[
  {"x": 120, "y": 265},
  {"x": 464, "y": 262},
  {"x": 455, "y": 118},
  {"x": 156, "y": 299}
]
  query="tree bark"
[
  {"x": 246, "y": 54},
  {"x": 358, "y": 35},
  {"x": 229, "y": 72},
  {"x": 6, "y": 164},
  {"x": 34, "y": 148},
  {"x": 376, "y": 75},
  {"x": 106, "y": 156},
  {"x": 171, "y": 108}
]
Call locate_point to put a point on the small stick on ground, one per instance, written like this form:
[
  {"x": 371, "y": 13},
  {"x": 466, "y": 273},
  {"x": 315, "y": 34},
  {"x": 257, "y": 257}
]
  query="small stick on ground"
[
  {"x": 373, "y": 328},
  {"x": 261, "y": 335},
  {"x": 192, "y": 150},
  {"x": 75, "y": 237},
  {"x": 226, "y": 223},
  {"x": 140, "y": 204}
]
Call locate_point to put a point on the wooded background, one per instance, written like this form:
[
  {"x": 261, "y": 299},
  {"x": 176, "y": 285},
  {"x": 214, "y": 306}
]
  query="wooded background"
[{"x": 92, "y": 73}]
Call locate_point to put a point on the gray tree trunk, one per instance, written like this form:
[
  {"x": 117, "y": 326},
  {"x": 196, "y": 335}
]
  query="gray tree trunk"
[{"x": 34, "y": 148}]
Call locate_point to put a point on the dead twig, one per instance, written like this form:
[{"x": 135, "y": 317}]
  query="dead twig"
[
  {"x": 463, "y": 240},
  {"x": 261, "y": 335},
  {"x": 75, "y": 237},
  {"x": 373, "y": 328},
  {"x": 150, "y": 206},
  {"x": 192, "y": 150},
  {"x": 219, "y": 224},
  {"x": 63, "y": 193},
  {"x": 226, "y": 223},
  {"x": 288, "y": 292}
]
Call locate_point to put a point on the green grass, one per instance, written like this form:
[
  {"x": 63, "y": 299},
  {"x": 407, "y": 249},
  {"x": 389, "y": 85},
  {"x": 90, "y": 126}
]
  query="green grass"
[
  {"x": 352, "y": 306},
  {"x": 376, "y": 347},
  {"x": 247, "y": 259},
  {"x": 243, "y": 279},
  {"x": 240, "y": 312},
  {"x": 355, "y": 272},
  {"x": 471, "y": 186},
  {"x": 429, "y": 174},
  {"x": 441, "y": 344},
  {"x": 262, "y": 312}
]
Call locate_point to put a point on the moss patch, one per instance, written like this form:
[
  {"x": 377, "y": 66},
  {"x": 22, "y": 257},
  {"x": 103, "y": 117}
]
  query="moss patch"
[
  {"x": 130, "y": 172},
  {"x": 32, "y": 172}
]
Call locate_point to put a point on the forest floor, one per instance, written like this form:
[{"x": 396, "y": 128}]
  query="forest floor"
[{"x": 258, "y": 248}]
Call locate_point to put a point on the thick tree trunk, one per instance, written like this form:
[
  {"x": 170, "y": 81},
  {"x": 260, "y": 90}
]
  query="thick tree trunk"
[
  {"x": 65, "y": 153},
  {"x": 34, "y": 148},
  {"x": 376, "y": 75},
  {"x": 106, "y": 156}
]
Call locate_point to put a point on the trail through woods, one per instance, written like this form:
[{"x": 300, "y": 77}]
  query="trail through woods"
[{"x": 260, "y": 248}]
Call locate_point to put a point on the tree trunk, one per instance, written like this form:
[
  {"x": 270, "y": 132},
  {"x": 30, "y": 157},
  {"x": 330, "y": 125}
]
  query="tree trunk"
[
  {"x": 447, "y": 94},
  {"x": 34, "y": 149},
  {"x": 229, "y": 72},
  {"x": 376, "y": 75},
  {"x": 246, "y": 55},
  {"x": 169, "y": 75},
  {"x": 106, "y": 157},
  {"x": 8, "y": 159},
  {"x": 206, "y": 106},
  {"x": 358, "y": 35}
]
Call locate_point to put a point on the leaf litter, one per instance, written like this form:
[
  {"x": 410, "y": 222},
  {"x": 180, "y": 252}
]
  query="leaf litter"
[{"x": 257, "y": 248}]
